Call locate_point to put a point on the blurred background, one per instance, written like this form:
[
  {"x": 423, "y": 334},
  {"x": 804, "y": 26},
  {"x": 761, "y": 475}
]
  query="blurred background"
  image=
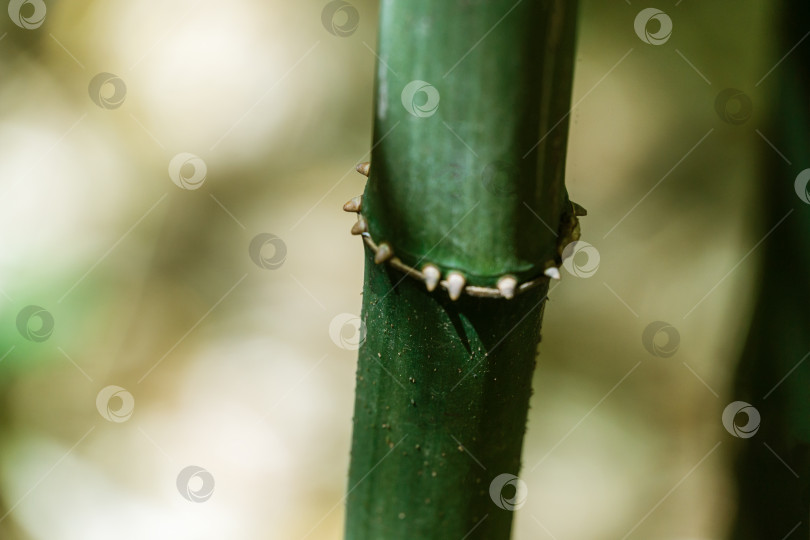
[{"x": 180, "y": 290}]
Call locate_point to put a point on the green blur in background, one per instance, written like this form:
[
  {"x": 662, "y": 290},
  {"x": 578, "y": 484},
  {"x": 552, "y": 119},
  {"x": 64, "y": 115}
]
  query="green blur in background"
[{"x": 220, "y": 290}]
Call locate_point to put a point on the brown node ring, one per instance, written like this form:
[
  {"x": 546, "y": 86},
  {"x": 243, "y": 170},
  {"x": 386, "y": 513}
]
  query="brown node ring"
[
  {"x": 454, "y": 283},
  {"x": 447, "y": 283}
]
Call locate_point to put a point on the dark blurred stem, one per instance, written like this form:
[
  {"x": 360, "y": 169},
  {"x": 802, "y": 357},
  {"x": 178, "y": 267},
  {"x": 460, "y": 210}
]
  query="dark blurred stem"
[
  {"x": 773, "y": 467},
  {"x": 443, "y": 386},
  {"x": 8, "y": 526}
]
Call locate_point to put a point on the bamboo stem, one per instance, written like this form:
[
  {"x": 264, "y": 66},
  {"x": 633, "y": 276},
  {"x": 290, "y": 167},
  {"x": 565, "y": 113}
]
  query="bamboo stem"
[{"x": 466, "y": 176}]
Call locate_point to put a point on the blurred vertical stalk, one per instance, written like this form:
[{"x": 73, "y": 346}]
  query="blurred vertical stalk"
[
  {"x": 773, "y": 466},
  {"x": 466, "y": 192},
  {"x": 8, "y": 527}
]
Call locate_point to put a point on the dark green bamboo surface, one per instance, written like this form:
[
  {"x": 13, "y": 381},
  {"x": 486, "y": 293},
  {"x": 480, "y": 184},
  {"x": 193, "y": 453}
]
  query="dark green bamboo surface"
[
  {"x": 458, "y": 184},
  {"x": 443, "y": 392}
]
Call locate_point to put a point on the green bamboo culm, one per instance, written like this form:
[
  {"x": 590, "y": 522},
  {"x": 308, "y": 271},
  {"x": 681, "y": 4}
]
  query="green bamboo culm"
[{"x": 466, "y": 175}]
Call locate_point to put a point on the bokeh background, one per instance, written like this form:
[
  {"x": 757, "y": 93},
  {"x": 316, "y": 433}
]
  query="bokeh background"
[{"x": 240, "y": 360}]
